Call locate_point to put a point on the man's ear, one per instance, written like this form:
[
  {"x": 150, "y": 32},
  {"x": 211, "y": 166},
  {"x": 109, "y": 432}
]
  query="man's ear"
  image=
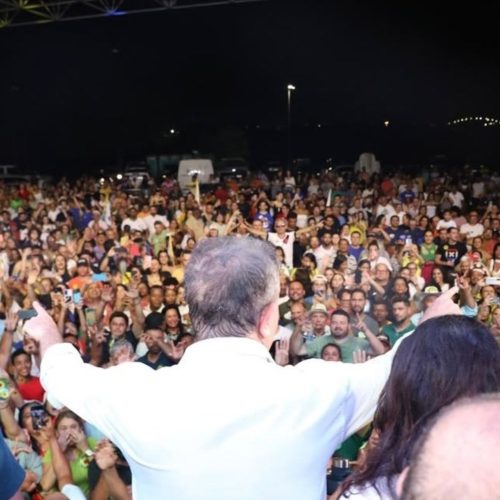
[
  {"x": 400, "y": 483},
  {"x": 268, "y": 323}
]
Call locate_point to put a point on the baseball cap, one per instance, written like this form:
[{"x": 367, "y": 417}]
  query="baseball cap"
[{"x": 82, "y": 262}]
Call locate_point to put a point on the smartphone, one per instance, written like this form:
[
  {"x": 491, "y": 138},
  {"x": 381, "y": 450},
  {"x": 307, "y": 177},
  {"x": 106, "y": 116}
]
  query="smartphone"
[
  {"x": 39, "y": 417},
  {"x": 492, "y": 281},
  {"x": 4, "y": 389},
  {"x": 27, "y": 314},
  {"x": 77, "y": 296},
  {"x": 100, "y": 277},
  {"x": 68, "y": 295},
  {"x": 90, "y": 316}
]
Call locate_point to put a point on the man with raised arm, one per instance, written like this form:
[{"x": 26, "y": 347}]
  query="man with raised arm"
[{"x": 227, "y": 422}]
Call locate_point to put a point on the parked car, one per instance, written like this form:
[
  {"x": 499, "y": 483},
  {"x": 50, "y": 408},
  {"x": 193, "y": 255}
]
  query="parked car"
[{"x": 232, "y": 167}]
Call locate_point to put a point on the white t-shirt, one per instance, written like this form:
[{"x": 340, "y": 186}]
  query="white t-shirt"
[
  {"x": 286, "y": 243},
  {"x": 151, "y": 219},
  {"x": 324, "y": 257},
  {"x": 443, "y": 224},
  {"x": 135, "y": 225},
  {"x": 471, "y": 230},
  {"x": 382, "y": 492},
  {"x": 477, "y": 189},
  {"x": 457, "y": 199},
  {"x": 387, "y": 210}
]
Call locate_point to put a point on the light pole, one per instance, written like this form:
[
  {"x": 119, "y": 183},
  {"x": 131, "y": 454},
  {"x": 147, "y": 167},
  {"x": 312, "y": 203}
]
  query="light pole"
[{"x": 290, "y": 88}]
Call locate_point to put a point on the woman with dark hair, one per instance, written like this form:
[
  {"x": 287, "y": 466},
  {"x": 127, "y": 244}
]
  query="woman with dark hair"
[
  {"x": 494, "y": 265},
  {"x": 446, "y": 358},
  {"x": 400, "y": 286},
  {"x": 56, "y": 472},
  {"x": 309, "y": 265},
  {"x": 340, "y": 264},
  {"x": 173, "y": 322},
  {"x": 438, "y": 280},
  {"x": 379, "y": 229}
]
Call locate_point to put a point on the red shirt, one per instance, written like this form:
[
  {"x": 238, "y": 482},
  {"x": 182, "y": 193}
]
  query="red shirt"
[{"x": 31, "y": 390}]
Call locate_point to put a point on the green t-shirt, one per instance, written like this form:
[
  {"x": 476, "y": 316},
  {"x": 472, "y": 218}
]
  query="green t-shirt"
[
  {"x": 347, "y": 347},
  {"x": 428, "y": 252},
  {"x": 79, "y": 466},
  {"x": 393, "y": 335},
  {"x": 315, "y": 347},
  {"x": 159, "y": 241},
  {"x": 351, "y": 344}
]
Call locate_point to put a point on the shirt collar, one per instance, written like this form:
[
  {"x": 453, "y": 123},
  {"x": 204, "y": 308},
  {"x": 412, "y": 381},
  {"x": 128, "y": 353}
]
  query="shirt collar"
[{"x": 225, "y": 347}]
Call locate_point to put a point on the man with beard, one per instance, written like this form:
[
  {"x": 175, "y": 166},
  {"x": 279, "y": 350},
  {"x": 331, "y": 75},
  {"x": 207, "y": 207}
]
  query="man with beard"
[
  {"x": 358, "y": 304},
  {"x": 296, "y": 293},
  {"x": 160, "y": 353},
  {"x": 401, "y": 311},
  {"x": 341, "y": 335}
]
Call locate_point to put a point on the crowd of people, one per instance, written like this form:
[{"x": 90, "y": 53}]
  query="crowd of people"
[{"x": 361, "y": 260}]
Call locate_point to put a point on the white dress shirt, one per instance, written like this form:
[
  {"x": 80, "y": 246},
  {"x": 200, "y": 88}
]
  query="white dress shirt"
[{"x": 225, "y": 423}]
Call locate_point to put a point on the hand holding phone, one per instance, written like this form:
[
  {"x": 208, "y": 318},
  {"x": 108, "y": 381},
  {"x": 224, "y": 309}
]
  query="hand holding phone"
[
  {"x": 4, "y": 389},
  {"x": 25, "y": 314}
]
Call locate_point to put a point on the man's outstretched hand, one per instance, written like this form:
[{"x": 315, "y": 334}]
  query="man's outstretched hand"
[
  {"x": 42, "y": 327},
  {"x": 442, "y": 305}
]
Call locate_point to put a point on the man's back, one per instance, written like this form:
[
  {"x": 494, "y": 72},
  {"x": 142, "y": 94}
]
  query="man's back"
[{"x": 225, "y": 423}]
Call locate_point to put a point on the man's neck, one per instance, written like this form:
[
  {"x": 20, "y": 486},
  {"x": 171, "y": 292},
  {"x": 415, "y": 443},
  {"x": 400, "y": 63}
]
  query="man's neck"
[
  {"x": 404, "y": 324},
  {"x": 153, "y": 356},
  {"x": 342, "y": 340},
  {"x": 319, "y": 333}
]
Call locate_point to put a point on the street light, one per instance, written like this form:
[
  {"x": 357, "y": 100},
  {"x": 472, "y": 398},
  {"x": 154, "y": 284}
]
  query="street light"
[{"x": 290, "y": 88}]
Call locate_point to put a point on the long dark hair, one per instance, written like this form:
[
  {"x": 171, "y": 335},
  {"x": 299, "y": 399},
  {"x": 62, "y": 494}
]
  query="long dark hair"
[{"x": 446, "y": 358}]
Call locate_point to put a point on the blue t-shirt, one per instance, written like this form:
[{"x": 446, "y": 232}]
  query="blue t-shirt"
[{"x": 11, "y": 473}]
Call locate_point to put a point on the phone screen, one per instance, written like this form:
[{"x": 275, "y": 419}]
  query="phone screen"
[
  {"x": 4, "y": 389},
  {"x": 38, "y": 417},
  {"x": 77, "y": 296},
  {"x": 100, "y": 277},
  {"x": 27, "y": 314},
  {"x": 90, "y": 316}
]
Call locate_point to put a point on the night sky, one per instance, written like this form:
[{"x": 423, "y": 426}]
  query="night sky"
[{"x": 97, "y": 92}]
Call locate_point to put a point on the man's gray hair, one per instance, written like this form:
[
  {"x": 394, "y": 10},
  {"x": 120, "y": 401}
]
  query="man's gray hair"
[
  {"x": 229, "y": 281},
  {"x": 121, "y": 345}
]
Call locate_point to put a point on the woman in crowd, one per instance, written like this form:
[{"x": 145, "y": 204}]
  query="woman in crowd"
[
  {"x": 400, "y": 286},
  {"x": 331, "y": 352},
  {"x": 379, "y": 229},
  {"x": 416, "y": 390},
  {"x": 494, "y": 265},
  {"x": 60, "y": 268},
  {"x": 438, "y": 280},
  {"x": 77, "y": 448},
  {"x": 173, "y": 322},
  {"x": 56, "y": 472}
]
